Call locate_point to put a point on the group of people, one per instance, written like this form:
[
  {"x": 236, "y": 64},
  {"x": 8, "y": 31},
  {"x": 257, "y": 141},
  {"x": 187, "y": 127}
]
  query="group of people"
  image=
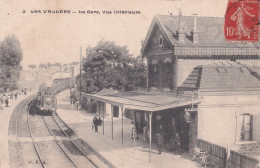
[
  {"x": 73, "y": 102},
  {"x": 97, "y": 121},
  {"x": 7, "y": 95},
  {"x": 174, "y": 143}
]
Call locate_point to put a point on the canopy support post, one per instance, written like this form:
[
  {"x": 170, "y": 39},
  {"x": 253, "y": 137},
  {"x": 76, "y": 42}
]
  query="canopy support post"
[
  {"x": 112, "y": 115},
  {"x": 103, "y": 124},
  {"x": 122, "y": 109},
  {"x": 150, "y": 138}
]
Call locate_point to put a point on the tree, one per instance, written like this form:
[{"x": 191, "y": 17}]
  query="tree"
[
  {"x": 10, "y": 59},
  {"x": 43, "y": 66},
  {"x": 57, "y": 64},
  {"x": 48, "y": 65},
  {"x": 111, "y": 66},
  {"x": 32, "y": 66}
]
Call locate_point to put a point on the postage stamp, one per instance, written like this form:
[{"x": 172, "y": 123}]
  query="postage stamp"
[{"x": 241, "y": 20}]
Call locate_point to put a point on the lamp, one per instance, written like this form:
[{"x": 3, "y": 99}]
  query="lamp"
[{"x": 187, "y": 116}]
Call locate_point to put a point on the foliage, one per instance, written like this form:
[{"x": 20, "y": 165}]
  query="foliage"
[
  {"x": 10, "y": 59},
  {"x": 43, "y": 66},
  {"x": 56, "y": 64},
  {"x": 111, "y": 66},
  {"x": 32, "y": 66},
  {"x": 48, "y": 65}
]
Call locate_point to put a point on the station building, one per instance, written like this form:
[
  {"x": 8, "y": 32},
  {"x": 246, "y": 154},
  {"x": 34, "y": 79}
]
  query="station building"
[{"x": 199, "y": 86}]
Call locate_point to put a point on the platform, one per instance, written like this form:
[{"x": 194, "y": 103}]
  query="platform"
[
  {"x": 125, "y": 156},
  {"x": 4, "y": 125}
]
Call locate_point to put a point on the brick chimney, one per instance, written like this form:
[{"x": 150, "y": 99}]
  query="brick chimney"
[
  {"x": 180, "y": 32},
  {"x": 195, "y": 32}
]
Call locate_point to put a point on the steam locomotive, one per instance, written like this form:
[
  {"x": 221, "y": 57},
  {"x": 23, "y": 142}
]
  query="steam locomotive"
[{"x": 46, "y": 99}]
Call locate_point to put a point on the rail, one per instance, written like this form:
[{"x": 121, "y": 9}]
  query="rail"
[
  {"x": 30, "y": 130},
  {"x": 56, "y": 140},
  {"x": 71, "y": 140}
]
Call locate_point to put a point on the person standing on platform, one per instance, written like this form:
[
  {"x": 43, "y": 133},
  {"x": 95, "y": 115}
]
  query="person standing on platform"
[
  {"x": 95, "y": 123},
  {"x": 145, "y": 135},
  {"x": 178, "y": 144},
  {"x": 159, "y": 142},
  {"x": 15, "y": 94},
  {"x": 1, "y": 104},
  {"x": 6, "y": 101}
]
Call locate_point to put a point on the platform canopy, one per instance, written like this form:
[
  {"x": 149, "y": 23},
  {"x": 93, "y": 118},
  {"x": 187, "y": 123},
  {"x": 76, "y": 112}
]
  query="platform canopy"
[{"x": 146, "y": 101}]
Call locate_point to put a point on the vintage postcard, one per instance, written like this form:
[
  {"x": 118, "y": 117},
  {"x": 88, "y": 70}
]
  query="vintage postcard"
[{"x": 127, "y": 84}]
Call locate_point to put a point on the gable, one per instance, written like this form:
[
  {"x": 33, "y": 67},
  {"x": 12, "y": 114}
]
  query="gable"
[
  {"x": 157, "y": 42},
  {"x": 156, "y": 29}
]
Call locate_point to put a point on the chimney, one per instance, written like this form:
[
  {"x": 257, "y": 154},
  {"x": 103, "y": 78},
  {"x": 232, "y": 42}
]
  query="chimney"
[
  {"x": 180, "y": 32},
  {"x": 195, "y": 32}
]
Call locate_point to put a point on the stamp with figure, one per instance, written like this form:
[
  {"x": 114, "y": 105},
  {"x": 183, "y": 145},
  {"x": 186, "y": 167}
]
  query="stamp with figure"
[{"x": 241, "y": 20}]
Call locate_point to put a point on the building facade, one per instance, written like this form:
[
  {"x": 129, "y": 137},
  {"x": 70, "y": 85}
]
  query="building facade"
[
  {"x": 178, "y": 50},
  {"x": 198, "y": 86}
]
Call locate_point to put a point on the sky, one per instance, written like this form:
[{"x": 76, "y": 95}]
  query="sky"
[{"x": 58, "y": 37}]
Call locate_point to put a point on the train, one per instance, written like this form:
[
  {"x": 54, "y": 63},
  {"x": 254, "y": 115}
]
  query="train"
[{"x": 46, "y": 99}]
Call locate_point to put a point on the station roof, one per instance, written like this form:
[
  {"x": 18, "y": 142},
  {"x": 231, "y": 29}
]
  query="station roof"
[
  {"x": 223, "y": 76},
  {"x": 210, "y": 29},
  {"x": 211, "y": 35},
  {"x": 142, "y": 100}
]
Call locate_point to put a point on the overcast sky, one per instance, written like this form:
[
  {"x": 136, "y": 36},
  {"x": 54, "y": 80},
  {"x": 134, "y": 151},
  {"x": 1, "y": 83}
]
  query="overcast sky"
[{"x": 57, "y": 37}]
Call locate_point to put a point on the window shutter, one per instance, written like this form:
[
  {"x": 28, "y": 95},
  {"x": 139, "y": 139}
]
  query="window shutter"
[{"x": 251, "y": 127}]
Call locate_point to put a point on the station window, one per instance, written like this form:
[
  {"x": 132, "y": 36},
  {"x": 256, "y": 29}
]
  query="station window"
[
  {"x": 167, "y": 66},
  {"x": 115, "y": 111},
  {"x": 161, "y": 41},
  {"x": 245, "y": 127}
]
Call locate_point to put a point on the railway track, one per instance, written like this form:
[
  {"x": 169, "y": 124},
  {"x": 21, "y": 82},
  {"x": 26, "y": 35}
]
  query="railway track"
[{"x": 46, "y": 141}]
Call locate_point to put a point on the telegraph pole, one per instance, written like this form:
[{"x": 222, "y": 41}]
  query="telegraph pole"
[{"x": 80, "y": 62}]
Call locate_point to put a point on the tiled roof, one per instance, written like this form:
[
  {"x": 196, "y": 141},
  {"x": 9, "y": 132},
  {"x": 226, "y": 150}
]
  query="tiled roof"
[
  {"x": 255, "y": 70},
  {"x": 193, "y": 80},
  {"x": 1, "y": 74},
  {"x": 211, "y": 31},
  {"x": 223, "y": 75}
]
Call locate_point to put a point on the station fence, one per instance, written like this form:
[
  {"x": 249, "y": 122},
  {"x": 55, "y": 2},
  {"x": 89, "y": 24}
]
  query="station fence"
[
  {"x": 237, "y": 160},
  {"x": 219, "y": 156}
]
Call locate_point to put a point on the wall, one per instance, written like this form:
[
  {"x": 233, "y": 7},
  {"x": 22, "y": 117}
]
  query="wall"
[{"x": 217, "y": 118}]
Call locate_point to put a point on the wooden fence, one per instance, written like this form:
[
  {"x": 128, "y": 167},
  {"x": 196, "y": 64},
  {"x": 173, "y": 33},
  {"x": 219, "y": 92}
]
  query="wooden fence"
[
  {"x": 218, "y": 154},
  {"x": 237, "y": 160}
]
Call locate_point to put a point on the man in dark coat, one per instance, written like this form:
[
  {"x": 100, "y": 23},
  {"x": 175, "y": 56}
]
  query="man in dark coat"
[
  {"x": 95, "y": 123},
  {"x": 159, "y": 142},
  {"x": 6, "y": 101}
]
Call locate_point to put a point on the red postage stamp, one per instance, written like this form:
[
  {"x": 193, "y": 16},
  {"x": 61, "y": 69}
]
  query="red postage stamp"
[{"x": 241, "y": 20}]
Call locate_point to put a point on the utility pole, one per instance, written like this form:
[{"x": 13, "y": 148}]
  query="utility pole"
[
  {"x": 60, "y": 69},
  {"x": 80, "y": 62}
]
